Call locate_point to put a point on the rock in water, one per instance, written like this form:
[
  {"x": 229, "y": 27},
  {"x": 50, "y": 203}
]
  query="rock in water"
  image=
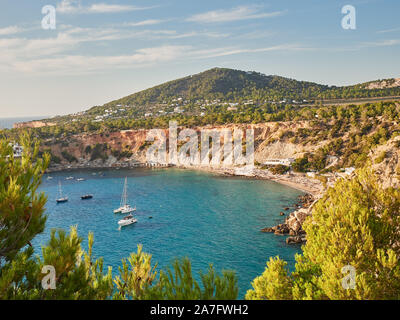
[{"x": 296, "y": 239}]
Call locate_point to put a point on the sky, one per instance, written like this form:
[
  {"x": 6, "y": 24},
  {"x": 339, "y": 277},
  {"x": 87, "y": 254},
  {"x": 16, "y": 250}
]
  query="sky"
[{"x": 104, "y": 50}]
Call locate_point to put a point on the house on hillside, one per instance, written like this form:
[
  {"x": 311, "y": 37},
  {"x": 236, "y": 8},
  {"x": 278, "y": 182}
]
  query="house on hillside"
[
  {"x": 17, "y": 150},
  {"x": 276, "y": 162}
]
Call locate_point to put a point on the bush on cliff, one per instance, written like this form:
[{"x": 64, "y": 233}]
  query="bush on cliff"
[{"x": 355, "y": 224}]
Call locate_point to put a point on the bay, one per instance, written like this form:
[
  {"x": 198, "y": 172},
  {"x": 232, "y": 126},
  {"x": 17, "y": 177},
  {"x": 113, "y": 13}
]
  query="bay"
[{"x": 206, "y": 217}]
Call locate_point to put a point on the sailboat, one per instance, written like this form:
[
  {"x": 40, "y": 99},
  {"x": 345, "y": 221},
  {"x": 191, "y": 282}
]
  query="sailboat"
[
  {"x": 124, "y": 206},
  {"x": 61, "y": 198}
]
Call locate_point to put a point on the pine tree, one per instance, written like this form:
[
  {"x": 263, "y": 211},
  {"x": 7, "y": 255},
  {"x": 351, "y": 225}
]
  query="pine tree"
[
  {"x": 178, "y": 283},
  {"x": 21, "y": 206},
  {"x": 355, "y": 224}
]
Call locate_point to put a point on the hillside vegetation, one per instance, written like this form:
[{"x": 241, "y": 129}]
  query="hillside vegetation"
[
  {"x": 218, "y": 89},
  {"x": 236, "y": 85}
]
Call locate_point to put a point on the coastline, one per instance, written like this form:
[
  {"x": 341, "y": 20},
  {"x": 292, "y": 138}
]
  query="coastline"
[
  {"x": 292, "y": 225},
  {"x": 294, "y": 180}
]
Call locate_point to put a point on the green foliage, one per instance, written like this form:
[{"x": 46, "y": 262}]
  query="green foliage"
[
  {"x": 236, "y": 85},
  {"x": 69, "y": 157},
  {"x": 279, "y": 169},
  {"x": 99, "y": 152},
  {"x": 77, "y": 275},
  {"x": 136, "y": 278},
  {"x": 301, "y": 164},
  {"x": 381, "y": 157},
  {"x": 21, "y": 207},
  {"x": 121, "y": 154},
  {"x": 355, "y": 223},
  {"x": 273, "y": 284},
  {"x": 179, "y": 284},
  {"x": 88, "y": 149}
]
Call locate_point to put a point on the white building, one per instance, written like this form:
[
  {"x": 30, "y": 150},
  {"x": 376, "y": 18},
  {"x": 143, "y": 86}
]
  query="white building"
[
  {"x": 17, "y": 149},
  {"x": 275, "y": 162}
]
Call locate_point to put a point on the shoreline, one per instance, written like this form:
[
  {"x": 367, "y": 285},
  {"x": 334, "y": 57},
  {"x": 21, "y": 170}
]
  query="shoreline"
[
  {"x": 292, "y": 224},
  {"x": 292, "y": 180}
]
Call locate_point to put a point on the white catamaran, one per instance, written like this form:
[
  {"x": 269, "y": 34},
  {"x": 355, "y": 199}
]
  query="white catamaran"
[
  {"x": 129, "y": 219},
  {"x": 61, "y": 198},
  {"x": 124, "y": 207}
]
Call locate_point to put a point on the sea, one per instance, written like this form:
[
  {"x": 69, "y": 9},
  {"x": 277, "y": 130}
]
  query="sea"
[
  {"x": 7, "y": 123},
  {"x": 209, "y": 218}
]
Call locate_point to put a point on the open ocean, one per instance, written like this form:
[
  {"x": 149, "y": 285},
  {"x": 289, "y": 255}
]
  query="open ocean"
[
  {"x": 206, "y": 217},
  {"x": 7, "y": 123}
]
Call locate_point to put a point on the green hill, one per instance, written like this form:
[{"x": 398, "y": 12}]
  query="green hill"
[{"x": 222, "y": 85}]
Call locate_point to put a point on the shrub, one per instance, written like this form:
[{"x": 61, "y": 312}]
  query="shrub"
[
  {"x": 279, "y": 169},
  {"x": 382, "y": 156},
  {"x": 69, "y": 157}
]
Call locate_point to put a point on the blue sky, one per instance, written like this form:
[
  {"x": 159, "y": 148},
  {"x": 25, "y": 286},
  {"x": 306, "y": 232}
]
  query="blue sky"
[{"x": 103, "y": 50}]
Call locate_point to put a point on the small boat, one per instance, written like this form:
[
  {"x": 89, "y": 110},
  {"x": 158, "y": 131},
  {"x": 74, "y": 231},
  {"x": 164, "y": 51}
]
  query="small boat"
[
  {"x": 87, "y": 197},
  {"x": 49, "y": 178},
  {"x": 124, "y": 206},
  {"x": 80, "y": 179},
  {"x": 69, "y": 178},
  {"x": 129, "y": 219},
  {"x": 61, "y": 198}
]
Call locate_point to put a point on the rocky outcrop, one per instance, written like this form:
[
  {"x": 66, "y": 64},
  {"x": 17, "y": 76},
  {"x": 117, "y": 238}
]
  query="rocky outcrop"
[
  {"x": 383, "y": 84},
  {"x": 296, "y": 240},
  {"x": 387, "y": 167},
  {"x": 33, "y": 124},
  {"x": 293, "y": 224}
]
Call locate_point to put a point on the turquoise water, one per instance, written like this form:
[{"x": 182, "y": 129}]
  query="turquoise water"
[{"x": 209, "y": 218}]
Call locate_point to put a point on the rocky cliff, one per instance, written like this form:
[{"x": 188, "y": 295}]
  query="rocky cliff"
[
  {"x": 130, "y": 145},
  {"x": 33, "y": 124}
]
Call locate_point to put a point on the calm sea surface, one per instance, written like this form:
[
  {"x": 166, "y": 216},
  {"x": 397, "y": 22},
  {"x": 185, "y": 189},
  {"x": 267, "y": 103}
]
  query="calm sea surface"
[{"x": 209, "y": 218}]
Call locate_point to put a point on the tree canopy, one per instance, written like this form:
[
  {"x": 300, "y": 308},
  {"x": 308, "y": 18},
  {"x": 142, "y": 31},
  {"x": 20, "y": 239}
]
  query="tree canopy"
[{"x": 356, "y": 225}]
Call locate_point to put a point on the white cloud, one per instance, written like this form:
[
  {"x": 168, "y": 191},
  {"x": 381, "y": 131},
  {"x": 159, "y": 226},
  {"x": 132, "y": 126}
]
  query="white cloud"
[
  {"x": 235, "y": 14},
  {"x": 389, "y": 30},
  {"x": 70, "y": 38},
  {"x": 105, "y": 8},
  {"x": 383, "y": 43},
  {"x": 227, "y": 51},
  {"x": 10, "y": 30},
  {"x": 78, "y": 64},
  {"x": 51, "y": 56},
  {"x": 69, "y": 6},
  {"x": 144, "y": 23},
  {"x": 74, "y": 6}
]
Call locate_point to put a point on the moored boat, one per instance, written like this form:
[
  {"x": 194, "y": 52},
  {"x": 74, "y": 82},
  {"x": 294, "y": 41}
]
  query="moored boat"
[
  {"x": 87, "y": 197},
  {"x": 61, "y": 198},
  {"x": 129, "y": 219},
  {"x": 124, "y": 206}
]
